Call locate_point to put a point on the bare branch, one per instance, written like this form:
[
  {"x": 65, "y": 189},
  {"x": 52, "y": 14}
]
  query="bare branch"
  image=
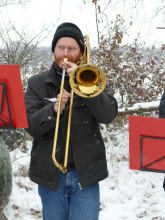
[{"x": 4, "y": 3}]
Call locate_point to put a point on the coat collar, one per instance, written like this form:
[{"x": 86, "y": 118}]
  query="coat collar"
[
  {"x": 52, "y": 75},
  {"x": 55, "y": 75}
]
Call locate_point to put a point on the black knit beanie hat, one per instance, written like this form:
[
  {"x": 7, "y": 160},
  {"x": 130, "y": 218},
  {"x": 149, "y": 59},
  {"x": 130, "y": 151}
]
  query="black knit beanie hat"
[{"x": 68, "y": 29}]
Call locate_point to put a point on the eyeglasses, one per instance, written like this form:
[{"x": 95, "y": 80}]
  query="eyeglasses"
[{"x": 70, "y": 49}]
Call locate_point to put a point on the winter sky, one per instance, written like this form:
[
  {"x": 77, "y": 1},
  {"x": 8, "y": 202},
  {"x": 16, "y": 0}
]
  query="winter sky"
[{"x": 34, "y": 15}]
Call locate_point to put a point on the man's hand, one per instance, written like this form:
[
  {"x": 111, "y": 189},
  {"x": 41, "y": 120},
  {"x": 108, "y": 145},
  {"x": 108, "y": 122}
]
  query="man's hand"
[
  {"x": 71, "y": 66},
  {"x": 65, "y": 98}
]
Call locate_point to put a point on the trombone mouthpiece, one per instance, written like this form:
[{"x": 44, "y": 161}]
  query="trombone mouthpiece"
[
  {"x": 65, "y": 59},
  {"x": 65, "y": 66}
]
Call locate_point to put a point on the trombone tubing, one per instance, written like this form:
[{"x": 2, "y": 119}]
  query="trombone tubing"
[
  {"x": 64, "y": 167},
  {"x": 88, "y": 49},
  {"x": 57, "y": 124}
]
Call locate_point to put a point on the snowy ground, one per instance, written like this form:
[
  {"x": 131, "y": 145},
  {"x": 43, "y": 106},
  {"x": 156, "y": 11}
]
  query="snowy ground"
[{"x": 125, "y": 194}]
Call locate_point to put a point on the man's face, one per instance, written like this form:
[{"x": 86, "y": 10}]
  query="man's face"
[{"x": 67, "y": 47}]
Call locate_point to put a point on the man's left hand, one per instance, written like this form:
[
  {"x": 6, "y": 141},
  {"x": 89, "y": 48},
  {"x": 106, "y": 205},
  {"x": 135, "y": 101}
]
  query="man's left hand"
[{"x": 71, "y": 67}]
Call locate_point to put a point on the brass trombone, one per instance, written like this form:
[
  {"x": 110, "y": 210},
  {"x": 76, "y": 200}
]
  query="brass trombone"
[{"x": 87, "y": 80}]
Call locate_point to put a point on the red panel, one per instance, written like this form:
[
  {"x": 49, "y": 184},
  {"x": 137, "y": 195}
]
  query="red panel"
[
  {"x": 10, "y": 75},
  {"x": 153, "y": 148}
]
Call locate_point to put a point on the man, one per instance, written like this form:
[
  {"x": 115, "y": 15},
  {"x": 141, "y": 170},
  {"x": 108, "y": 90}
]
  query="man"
[{"x": 75, "y": 194}]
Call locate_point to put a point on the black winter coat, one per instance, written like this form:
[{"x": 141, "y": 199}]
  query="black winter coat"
[
  {"x": 162, "y": 107},
  {"x": 86, "y": 139},
  {"x": 162, "y": 115}
]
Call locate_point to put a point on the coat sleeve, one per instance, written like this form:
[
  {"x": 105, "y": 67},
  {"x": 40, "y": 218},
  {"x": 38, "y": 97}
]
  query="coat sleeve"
[
  {"x": 162, "y": 107},
  {"x": 41, "y": 116},
  {"x": 103, "y": 107}
]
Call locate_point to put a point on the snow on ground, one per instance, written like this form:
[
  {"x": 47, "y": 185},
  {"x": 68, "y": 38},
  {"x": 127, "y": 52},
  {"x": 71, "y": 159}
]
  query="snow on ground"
[{"x": 125, "y": 194}]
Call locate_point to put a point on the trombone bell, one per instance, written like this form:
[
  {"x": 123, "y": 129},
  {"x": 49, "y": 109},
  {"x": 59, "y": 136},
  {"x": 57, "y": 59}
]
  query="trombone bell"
[{"x": 87, "y": 80}]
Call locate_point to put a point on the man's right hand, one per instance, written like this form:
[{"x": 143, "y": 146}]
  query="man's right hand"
[{"x": 65, "y": 98}]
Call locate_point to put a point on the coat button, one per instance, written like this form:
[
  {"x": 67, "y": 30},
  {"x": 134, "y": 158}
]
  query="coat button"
[{"x": 49, "y": 117}]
